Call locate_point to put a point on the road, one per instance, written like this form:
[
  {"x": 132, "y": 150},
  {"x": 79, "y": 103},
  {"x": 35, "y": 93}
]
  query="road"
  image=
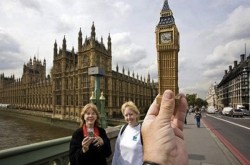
[{"x": 233, "y": 132}]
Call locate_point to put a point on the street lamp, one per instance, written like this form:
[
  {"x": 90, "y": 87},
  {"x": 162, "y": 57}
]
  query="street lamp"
[
  {"x": 98, "y": 100},
  {"x": 103, "y": 113}
]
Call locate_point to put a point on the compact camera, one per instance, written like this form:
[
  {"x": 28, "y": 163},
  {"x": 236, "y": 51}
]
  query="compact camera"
[{"x": 91, "y": 134}]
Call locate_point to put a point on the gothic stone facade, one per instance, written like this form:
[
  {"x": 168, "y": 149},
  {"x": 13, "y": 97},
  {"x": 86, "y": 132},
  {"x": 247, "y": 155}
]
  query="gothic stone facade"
[{"x": 68, "y": 87}]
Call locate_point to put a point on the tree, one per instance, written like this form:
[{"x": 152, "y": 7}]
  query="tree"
[
  {"x": 193, "y": 101},
  {"x": 199, "y": 102}
]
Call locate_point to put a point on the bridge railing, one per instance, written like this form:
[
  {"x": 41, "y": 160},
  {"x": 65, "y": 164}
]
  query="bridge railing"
[{"x": 52, "y": 152}]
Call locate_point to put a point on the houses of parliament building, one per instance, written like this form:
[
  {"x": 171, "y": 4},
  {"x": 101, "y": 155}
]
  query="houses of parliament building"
[{"x": 69, "y": 86}]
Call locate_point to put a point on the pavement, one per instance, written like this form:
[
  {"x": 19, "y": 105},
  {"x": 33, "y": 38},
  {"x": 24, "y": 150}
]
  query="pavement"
[{"x": 203, "y": 147}]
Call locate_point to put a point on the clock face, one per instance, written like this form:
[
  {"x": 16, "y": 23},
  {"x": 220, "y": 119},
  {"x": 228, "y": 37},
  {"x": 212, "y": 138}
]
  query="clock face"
[{"x": 166, "y": 37}]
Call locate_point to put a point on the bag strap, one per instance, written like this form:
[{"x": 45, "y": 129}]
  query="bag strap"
[{"x": 124, "y": 127}]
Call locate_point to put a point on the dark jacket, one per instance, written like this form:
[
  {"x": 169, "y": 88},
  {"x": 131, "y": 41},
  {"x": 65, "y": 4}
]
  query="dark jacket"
[
  {"x": 94, "y": 156},
  {"x": 198, "y": 115}
]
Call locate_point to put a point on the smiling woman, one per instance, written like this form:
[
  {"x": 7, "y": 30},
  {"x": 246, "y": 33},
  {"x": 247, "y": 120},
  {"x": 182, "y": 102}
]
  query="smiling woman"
[
  {"x": 89, "y": 143},
  {"x": 128, "y": 147}
]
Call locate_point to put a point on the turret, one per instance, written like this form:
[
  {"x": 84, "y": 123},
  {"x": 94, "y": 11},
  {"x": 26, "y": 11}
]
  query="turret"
[
  {"x": 79, "y": 40},
  {"x": 73, "y": 55},
  {"x": 93, "y": 32},
  {"x": 109, "y": 44},
  {"x": 86, "y": 40},
  {"x": 166, "y": 11},
  {"x": 44, "y": 62},
  {"x": 64, "y": 46},
  {"x": 101, "y": 40},
  {"x": 30, "y": 62},
  {"x": 117, "y": 68},
  {"x": 148, "y": 80},
  {"x": 55, "y": 49}
]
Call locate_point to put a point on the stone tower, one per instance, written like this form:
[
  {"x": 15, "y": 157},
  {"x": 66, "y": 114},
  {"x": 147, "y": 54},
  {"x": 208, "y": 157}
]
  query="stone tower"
[
  {"x": 167, "y": 45},
  {"x": 34, "y": 71}
]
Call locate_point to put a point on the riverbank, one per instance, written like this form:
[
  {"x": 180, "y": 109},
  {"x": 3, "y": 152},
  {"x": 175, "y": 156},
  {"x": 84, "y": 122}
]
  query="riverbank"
[{"x": 37, "y": 116}]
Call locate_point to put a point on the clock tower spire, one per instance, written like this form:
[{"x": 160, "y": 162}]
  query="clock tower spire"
[{"x": 167, "y": 45}]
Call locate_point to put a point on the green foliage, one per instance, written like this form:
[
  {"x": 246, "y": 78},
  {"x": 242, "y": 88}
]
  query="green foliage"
[{"x": 194, "y": 101}]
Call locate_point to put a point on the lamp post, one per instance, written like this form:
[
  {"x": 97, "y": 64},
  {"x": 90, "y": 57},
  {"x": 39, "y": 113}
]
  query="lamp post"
[
  {"x": 98, "y": 100},
  {"x": 103, "y": 113}
]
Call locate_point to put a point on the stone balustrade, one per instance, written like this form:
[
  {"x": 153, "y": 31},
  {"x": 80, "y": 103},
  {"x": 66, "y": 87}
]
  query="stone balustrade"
[{"x": 52, "y": 152}]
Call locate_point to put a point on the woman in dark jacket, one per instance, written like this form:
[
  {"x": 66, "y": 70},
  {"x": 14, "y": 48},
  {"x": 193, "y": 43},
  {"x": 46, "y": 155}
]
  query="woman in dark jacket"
[{"x": 89, "y": 144}]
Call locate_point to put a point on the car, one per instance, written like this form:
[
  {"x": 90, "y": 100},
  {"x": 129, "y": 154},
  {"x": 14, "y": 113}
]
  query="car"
[
  {"x": 236, "y": 113},
  {"x": 226, "y": 110},
  {"x": 211, "y": 110},
  {"x": 246, "y": 112}
]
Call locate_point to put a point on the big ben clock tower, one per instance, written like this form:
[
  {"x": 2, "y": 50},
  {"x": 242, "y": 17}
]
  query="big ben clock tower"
[{"x": 167, "y": 45}]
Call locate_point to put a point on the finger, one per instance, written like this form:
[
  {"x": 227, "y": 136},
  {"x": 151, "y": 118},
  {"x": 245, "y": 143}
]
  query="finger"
[
  {"x": 95, "y": 141},
  {"x": 96, "y": 144},
  {"x": 90, "y": 141},
  {"x": 179, "y": 117},
  {"x": 153, "y": 110},
  {"x": 167, "y": 105},
  {"x": 85, "y": 139}
]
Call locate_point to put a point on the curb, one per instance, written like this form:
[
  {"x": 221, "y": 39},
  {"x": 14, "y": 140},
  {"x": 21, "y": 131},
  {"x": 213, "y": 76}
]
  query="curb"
[{"x": 228, "y": 154}]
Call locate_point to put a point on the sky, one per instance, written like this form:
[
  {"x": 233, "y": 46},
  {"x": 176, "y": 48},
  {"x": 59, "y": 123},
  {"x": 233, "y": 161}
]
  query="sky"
[{"x": 213, "y": 34}]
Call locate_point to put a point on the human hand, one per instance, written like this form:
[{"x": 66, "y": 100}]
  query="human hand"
[
  {"x": 86, "y": 142},
  {"x": 162, "y": 131},
  {"x": 98, "y": 141}
]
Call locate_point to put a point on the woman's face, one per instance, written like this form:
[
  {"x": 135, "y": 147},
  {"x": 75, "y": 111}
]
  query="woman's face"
[
  {"x": 130, "y": 116},
  {"x": 90, "y": 117}
]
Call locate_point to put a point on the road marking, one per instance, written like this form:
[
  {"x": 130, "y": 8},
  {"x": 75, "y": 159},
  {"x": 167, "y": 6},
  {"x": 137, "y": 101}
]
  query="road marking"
[
  {"x": 229, "y": 122},
  {"x": 243, "y": 160}
]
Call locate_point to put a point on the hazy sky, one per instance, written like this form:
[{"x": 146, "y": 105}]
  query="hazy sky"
[{"x": 213, "y": 34}]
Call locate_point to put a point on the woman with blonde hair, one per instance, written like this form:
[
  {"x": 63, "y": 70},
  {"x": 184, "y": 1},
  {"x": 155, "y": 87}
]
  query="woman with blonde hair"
[
  {"x": 128, "y": 147},
  {"x": 89, "y": 144}
]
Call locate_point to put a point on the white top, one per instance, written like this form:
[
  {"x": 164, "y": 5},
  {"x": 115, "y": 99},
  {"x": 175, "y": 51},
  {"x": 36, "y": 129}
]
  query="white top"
[{"x": 128, "y": 147}]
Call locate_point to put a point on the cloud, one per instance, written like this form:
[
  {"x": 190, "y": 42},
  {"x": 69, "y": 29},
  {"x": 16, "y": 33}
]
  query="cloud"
[
  {"x": 215, "y": 49},
  {"x": 64, "y": 24},
  {"x": 121, "y": 8},
  {"x": 226, "y": 54},
  {"x": 125, "y": 52},
  {"x": 31, "y": 4},
  {"x": 230, "y": 37},
  {"x": 236, "y": 26},
  {"x": 131, "y": 56},
  {"x": 212, "y": 34},
  {"x": 10, "y": 54},
  {"x": 7, "y": 43}
]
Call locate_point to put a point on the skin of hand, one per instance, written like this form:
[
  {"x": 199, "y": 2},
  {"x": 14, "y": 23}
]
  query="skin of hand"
[
  {"x": 86, "y": 142},
  {"x": 98, "y": 141},
  {"x": 162, "y": 131}
]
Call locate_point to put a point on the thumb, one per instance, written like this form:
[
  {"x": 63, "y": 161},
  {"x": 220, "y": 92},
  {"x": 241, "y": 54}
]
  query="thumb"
[{"x": 167, "y": 105}]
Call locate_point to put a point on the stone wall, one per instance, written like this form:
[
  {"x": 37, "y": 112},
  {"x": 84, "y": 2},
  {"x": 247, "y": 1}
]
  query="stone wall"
[{"x": 112, "y": 132}]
